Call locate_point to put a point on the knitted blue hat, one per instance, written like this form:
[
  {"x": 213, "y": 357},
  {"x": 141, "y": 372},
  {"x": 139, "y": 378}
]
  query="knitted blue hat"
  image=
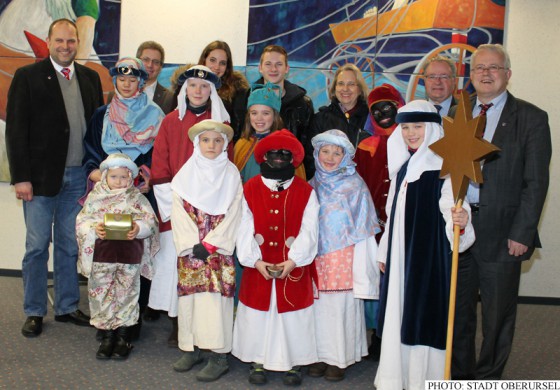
[{"x": 268, "y": 95}]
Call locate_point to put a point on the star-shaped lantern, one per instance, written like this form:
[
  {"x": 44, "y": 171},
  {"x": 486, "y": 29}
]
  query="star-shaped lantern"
[{"x": 462, "y": 147}]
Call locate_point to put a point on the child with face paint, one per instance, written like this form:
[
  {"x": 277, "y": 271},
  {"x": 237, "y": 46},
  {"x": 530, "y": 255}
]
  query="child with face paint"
[
  {"x": 371, "y": 154},
  {"x": 274, "y": 326},
  {"x": 197, "y": 100},
  {"x": 113, "y": 267},
  {"x": 262, "y": 118},
  {"x": 346, "y": 256},
  {"x": 415, "y": 253},
  {"x": 371, "y": 164},
  {"x": 205, "y": 215}
]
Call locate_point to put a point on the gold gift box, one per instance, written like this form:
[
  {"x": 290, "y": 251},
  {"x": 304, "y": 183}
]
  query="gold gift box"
[{"x": 117, "y": 226}]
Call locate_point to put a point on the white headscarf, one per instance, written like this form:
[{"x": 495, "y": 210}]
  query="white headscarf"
[
  {"x": 209, "y": 185},
  {"x": 424, "y": 159},
  {"x": 219, "y": 112}
]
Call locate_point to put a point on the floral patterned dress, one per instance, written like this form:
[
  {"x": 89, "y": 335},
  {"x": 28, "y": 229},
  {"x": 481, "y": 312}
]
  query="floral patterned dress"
[
  {"x": 114, "y": 267},
  {"x": 217, "y": 273}
]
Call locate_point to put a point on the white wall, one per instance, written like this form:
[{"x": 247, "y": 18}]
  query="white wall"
[
  {"x": 184, "y": 27},
  {"x": 12, "y": 229},
  {"x": 531, "y": 40}
]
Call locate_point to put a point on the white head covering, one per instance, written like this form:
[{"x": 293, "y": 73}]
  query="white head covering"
[
  {"x": 209, "y": 185},
  {"x": 424, "y": 159},
  {"x": 219, "y": 112},
  {"x": 119, "y": 160}
]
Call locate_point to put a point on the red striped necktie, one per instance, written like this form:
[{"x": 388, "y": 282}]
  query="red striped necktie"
[
  {"x": 484, "y": 108},
  {"x": 66, "y": 73}
]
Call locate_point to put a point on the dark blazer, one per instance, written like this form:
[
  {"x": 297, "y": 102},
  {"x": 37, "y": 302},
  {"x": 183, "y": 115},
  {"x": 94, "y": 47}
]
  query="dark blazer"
[
  {"x": 515, "y": 182},
  {"x": 37, "y": 129},
  {"x": 164, "y": 99},
  {"x": 453, "y": 103}
]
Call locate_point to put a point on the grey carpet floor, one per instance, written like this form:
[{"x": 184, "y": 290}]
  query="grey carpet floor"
[{"x": 63, "y": 357}]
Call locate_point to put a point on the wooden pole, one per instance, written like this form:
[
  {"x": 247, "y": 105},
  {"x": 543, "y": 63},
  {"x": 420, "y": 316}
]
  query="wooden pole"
[{"x": 452, "y": 296}]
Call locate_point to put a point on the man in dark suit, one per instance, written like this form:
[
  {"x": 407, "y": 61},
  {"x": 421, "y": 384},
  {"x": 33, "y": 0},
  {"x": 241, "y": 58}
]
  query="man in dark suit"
[
  {"x": 439, "y": 80},
  {"x": 152, "y": 55},
  {"x": 49, "y": 104},
  {"x": 506, "y": 210}
]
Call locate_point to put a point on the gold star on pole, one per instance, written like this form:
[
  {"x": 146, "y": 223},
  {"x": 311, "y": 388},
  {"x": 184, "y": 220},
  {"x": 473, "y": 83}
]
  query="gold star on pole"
[{"x": 462, "y": 147}]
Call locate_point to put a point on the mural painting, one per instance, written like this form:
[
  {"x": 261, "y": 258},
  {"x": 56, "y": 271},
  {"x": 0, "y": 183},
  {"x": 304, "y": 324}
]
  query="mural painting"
[
  {"x": 387, "y": 39},
  {"x": 24, "y": 26}
]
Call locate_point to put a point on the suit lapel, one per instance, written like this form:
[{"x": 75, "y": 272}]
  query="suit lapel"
[
  {"x": 507, "y": 119},
  {"x": 50, "y": 79},
  {"x": 454, "y": 102},
  {"x": 157, "y": 94}
]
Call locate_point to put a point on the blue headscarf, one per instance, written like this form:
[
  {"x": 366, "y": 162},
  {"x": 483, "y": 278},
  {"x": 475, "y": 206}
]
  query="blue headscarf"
[
  {"x": 130, "y": 124},
  {"x": 347, "y": 215}
]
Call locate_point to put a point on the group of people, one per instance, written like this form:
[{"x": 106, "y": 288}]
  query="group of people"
[{"x": 322, "y": 225}]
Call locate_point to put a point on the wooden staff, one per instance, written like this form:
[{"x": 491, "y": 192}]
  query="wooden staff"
[{"x": 452, "y": 296}]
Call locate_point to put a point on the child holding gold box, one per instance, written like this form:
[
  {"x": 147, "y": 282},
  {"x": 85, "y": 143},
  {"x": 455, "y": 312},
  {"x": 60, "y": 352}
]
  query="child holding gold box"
[{"x": 114, "y": 266}]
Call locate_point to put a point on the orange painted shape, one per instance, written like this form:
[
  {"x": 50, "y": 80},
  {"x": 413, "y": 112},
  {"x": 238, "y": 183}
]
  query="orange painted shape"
[
  {"x": 423, "y": 15},
  {"x": 459, "y": 14}
]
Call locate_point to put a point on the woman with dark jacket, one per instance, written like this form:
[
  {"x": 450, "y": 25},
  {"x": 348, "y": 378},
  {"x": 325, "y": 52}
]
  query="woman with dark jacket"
[{"x": 347, "y": 112}]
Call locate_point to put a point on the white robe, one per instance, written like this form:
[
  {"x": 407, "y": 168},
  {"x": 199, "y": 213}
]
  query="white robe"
[
  {"x": 163, "y": 292},
  {"x": 340, "y": 323},
  {"x": 278, "y": 341},
  {"x": 403, "y": 366}
]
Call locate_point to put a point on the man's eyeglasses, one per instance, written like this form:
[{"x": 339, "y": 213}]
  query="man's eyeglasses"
[
  {"x": 148, "y": 60},
  {"x": 492, "y": 68},
  {"x": 434, "y": 77}
]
